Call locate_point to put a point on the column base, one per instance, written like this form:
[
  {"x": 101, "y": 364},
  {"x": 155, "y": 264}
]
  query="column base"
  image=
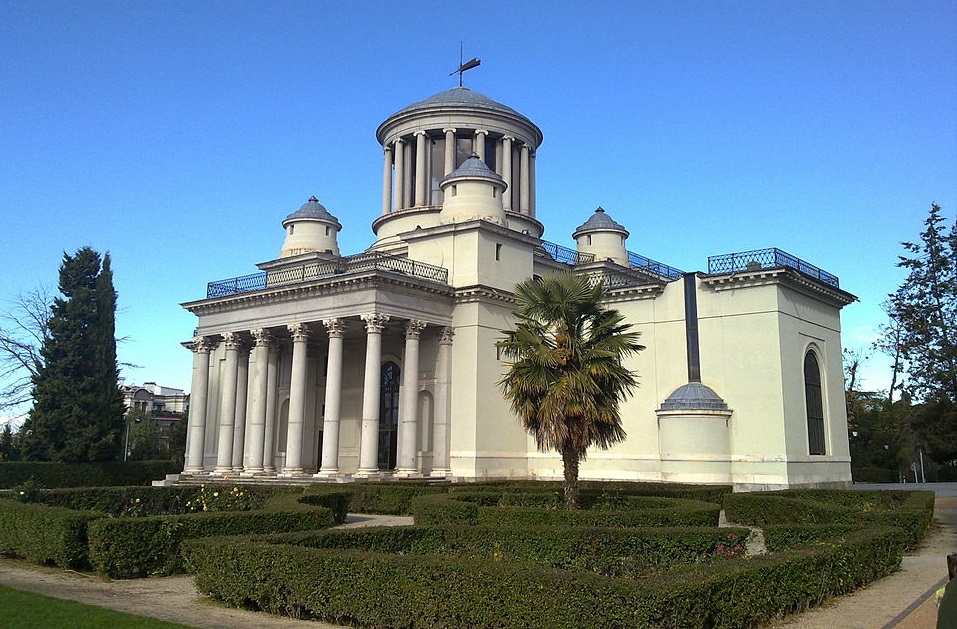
[
  {"x": 372, "y": 474},
  {"x": 327, "y": 473},
  {"x": 293, "y": 473},
  {"x": 252, "y": 471},
  {"x": 194, "y": 470}
]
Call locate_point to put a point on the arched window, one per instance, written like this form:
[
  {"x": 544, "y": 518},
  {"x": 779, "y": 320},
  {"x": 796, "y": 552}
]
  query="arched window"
[
  {"x": 389, "y": 416},
  {"x": 814, "y": 404}
]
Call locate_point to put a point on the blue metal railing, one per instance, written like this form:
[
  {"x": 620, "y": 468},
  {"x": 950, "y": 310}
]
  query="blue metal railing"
[
  {"x": 766, "y": 259},
  {"x": 371, "y": 261},
  {"x": 642, "y": 263},
  {"x": 562, "y": 254}
]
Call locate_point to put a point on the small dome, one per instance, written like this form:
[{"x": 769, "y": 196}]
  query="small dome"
[
  {"x": 473, "y": 167},
  {"x": 314, "y": 210},
  {"x": 694, "y": 396},
  {"x": 599, "y": 221}
]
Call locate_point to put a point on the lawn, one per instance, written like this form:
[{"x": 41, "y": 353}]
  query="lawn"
[{"x": 33, "y": 611}]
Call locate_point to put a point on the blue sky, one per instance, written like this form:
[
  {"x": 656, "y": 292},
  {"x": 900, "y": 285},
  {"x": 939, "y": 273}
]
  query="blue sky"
[{"x": 178, "y": 135}]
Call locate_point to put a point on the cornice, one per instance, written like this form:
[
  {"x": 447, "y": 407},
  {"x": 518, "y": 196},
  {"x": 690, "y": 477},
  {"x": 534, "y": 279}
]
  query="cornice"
[
  {"x": 476, "y": 293},
  {"x": 341, "y": 284},
  {"x": 784, "y": 276}
]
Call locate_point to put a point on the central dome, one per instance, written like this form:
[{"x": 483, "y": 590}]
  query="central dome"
[{"x": 458, "y": 97}]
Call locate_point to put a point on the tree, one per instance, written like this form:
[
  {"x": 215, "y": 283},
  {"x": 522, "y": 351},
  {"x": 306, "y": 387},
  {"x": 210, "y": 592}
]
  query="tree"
[
  {"x": 566, "y": 378},
  {"x": 23, "y": 331},
  {"x": 78, "y": 408},
  {"x": 889, "y": 342},
  {"x": 143, "y": 436},
  {"x": 925, "y": 306},
  {"x": 9, "y": 446}
]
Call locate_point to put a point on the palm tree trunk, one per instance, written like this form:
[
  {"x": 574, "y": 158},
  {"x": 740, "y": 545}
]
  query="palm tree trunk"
[{"x": 570, "y": 463}]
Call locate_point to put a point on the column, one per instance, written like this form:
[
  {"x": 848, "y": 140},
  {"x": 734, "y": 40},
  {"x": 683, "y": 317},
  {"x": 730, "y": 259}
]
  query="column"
[
  {"x": 297, "y": 399},
  {"x": 239, "y": 429},
  {"x": 399, "y": 184},
  {"x": 227, "y": 407},
  {"x": 407, "y": 179},
  {"x": 408, "y": 403},
  {"x": 449, "y": 150},
  {"x": 507, "y": 172},
  {"x": 369, "y": 446},
  {"x": 421, "y": 180},
  {"x": 196, "y": 429},
  {"x": 386, "y": 179},
  {"x": 272, "y": 391},
  {"x": 478, "y": 143},
  {"x": 440, "y": 449},
  {"x": 255, "y": 436},
  {"x": 523, "y": 181},
  {"x": 531, "y": 185},
  {"x": 330, "y": 424}
]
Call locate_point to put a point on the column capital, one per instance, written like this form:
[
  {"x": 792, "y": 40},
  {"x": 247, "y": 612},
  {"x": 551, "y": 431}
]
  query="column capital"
[
  {"x": 375, "y": 322},
  {"x": 202, "y": 344},
  {"x": 445, "y": 335},
  {"x": 421, "y": 132},
  {"x": 508, "y": 138},
  {"x": 335, "y": 327},
  {"x": 262, "y": 337},
  {"x": 413, "y": 328},
  {"x": 232, "y": 340},
  {"x": 299, "y": 331},
  {"x": 399, "y": 141},
  {"x": 481, "y": 132},
  {"x": 449, "y": 130}
]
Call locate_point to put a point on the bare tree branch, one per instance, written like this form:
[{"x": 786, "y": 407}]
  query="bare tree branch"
[{"x": 23, "y": 329}]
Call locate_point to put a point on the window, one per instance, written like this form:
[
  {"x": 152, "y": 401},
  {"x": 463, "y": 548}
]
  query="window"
[
  {"x": 814, "y": 403},
  {"x": 498, "y": 251},
  {"x": 292, "y": 228},
  {"x": 389, "y": 416},
  {"x": 327, "y": 230}
]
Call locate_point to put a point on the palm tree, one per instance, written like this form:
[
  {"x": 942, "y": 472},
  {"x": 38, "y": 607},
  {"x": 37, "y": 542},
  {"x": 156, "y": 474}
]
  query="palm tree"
[{"x": 566, "y": 378}]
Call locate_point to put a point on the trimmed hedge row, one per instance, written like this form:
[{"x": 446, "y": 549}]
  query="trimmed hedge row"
[
  {"x": 45, "y": 535},
  {"x": 630, "y": 552},
  {"x": 494, "y": 509},
  {"x": 128, "y": 546},
  {"x": 375, "y": 589},
  {"x": 911, "y": 511},
  {"x": 151, "y": 545},
  {"x": 396, "y": 498},
  {"x": 111, "y": 473}
]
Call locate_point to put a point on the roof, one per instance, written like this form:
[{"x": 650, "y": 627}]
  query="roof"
[
  {"x": 694, "y": 396},
  {"x": 599, "y": 221},
  {"x": 314, "y": 210},
  {"x": 458, "y": 97}
]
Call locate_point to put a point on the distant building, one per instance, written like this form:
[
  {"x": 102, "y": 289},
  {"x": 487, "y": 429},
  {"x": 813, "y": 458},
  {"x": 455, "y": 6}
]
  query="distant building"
[
  {"x": 154, "y": 399},
  {"x": 384, "y": 364}
]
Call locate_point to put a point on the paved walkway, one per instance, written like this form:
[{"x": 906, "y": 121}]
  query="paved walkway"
[{"x": 903, "y": 599}]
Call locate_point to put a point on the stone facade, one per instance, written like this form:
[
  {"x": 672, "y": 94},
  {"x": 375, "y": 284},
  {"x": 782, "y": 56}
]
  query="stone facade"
[{"x": 384, "y": 363}]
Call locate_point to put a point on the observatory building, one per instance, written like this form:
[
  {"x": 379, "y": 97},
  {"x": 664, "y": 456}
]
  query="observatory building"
[{"x": 383, "y": 363}]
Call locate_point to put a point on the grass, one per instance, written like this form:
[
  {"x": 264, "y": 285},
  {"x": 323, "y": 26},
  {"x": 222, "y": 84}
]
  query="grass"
[{"x": 34, "y": 611}]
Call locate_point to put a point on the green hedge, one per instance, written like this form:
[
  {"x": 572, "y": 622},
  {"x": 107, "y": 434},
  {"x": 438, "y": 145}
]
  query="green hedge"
[
  {"x": 377, "y": 589},
  {"x": 51, "y": 475},
  {"x": 150, "y": 546},
  {"x": 631, "y": 552},
  {"x": 912, "y": 511},
  {"x": 45, "y": 535},
  {"x": 515, "y": 509}
]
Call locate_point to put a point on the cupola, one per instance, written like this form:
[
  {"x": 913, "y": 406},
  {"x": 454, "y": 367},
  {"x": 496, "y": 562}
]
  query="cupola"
[
  {"x": 602, "y": 236},
  {"x": 472, "y": 191},
  {"x": 309, "y": 229}
]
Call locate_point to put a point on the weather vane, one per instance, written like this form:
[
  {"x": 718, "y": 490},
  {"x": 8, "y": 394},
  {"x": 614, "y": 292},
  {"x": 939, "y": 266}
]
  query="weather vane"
[{"x": 465, "y": 65}]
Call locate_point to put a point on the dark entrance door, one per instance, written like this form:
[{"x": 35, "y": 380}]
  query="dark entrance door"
[{"x": 389, "y": 416}]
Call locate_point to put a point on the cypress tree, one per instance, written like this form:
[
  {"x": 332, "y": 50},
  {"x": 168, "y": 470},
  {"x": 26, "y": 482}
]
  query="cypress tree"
[{"x": 78, "y": 408}]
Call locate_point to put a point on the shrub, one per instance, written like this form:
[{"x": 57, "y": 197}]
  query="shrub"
[
  {"x": 45, "y": 535},
  {"x": 141, "y": 546},
  {"x": 113, "y": 473},
  {"x": 381, "y": 589}
]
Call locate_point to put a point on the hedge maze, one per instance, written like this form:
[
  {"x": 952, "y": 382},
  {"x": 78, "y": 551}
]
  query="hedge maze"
[{"x": 483, "y": 555}]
